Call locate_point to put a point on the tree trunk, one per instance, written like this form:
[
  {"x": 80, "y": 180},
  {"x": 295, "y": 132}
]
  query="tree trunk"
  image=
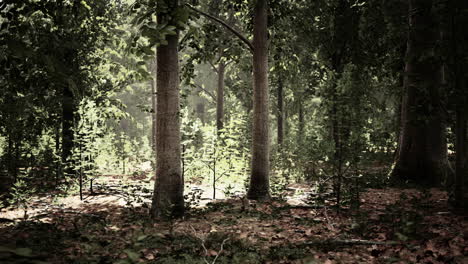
[
  {"x": 168, "y": 199},
  {"x": 300, "y": 125},
  {"x": 259, "y": 180},
  {"x": 461, "y": 168},
  {"x": 422, "y": 156},
  {"x": 153, "y": 106},
  {"x": 220, "y": 97},
  {"x": 459, "y": 39},
  {"x": 68, "y": 115},
  {"x": 280, "y": 111}
]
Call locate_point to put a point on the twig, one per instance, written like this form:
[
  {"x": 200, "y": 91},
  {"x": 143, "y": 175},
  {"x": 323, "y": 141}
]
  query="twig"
[
  {"x": 220, "y": 250},
  {"x": 204, "y": 247},
  {"x": 337, "y": 242}
]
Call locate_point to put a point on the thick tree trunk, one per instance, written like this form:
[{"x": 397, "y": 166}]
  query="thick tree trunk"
[
  {"x": 259, "y": 179},
  {"x": 461, "y": 179},
  {"x": 422, "y": 156},
  {"x": 459, "y": 51},
  {"x": 68, "y": 115},
  {"x": 280, "y": 113},
  {"x": 168, "y": 199},
  {"x": 220, "y": 97}
]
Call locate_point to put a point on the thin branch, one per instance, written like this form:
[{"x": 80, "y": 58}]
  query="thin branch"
[
  {"x": 221, "y": 250},
  {"x": 229, "y": 62},
  {"x": 235, "y": 32},
  {"x": 214, "y": 68},
  {"x": 206, "y": 91},
  {"x": 350, "y": 242}
]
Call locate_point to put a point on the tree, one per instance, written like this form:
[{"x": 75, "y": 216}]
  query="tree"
[
  {"x": 169, "y": 185},
  {"x": 422, "y": 155},
  {"x": 458, "y": 56},
  {"x": 259, "y": 178},
  {"x": 154, "y": 121}
]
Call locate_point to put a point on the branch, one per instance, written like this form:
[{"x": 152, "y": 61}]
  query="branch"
[
  {"x": 214, "y": 68},
  {"x": 235, "y": 32},
  {"x": 2, "y": 5},
  {"x": 206, "y": 91},
  {"x": 229, "y": 62},
  {"x": 351, "y": 242}
]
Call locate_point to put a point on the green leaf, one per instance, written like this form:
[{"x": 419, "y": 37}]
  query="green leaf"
[
  {"x": 132, "y": 255},
  {"x": 401, "y": 236},
  {"x": 142, "y": 237}
]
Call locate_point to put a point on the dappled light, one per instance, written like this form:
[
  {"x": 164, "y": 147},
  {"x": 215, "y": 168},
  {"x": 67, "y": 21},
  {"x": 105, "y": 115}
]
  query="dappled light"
[{"x": 237, "y": 132}]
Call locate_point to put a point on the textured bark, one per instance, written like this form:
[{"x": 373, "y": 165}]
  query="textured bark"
[
  {"x": 68, "y": 115},
  {"x": 220, "y": 97},
  {"x": 168, "y": 197},
  {"x": 422, "y": 157},
  {"x": 280, "y": 113},
  {"x": 259, "y": 179}
]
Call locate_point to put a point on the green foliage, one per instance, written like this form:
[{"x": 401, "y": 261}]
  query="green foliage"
[
  {"x": 213, "y": 157},
  {"x": 21, "y": 192}
]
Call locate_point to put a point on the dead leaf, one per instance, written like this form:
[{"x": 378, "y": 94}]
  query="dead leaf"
[{"x": 211, "y": 253}]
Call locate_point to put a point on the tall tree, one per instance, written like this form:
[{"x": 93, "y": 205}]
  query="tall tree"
[
  {"x": 259, "y": 179},
  {"x": 422, "y": 156},
  {"x": 459, "y": 58},
  {"x": 168, "y": 196}
]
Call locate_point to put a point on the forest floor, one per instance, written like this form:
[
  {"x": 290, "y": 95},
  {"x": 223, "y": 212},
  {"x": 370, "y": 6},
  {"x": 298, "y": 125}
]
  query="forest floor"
[{"x": 390, "y": 226}]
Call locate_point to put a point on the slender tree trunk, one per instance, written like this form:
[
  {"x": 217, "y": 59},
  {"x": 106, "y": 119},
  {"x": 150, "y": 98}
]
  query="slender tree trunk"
[
  {"x": 259, "y": 180},
  {"x": 153, "y": 105},
  {"x": 280, "y": 113},
  {"x": 300, "y": 125},
  {"x": 422, "y": 156},
  {"x": 285, "y": 121},
  {"x": 168, "y": 196},
  {"x": 337, "y": 133},
  {"x": 58, "y": 169},
  {"x": 220, "y": 97},
  {"x": 68, "y": 116}
]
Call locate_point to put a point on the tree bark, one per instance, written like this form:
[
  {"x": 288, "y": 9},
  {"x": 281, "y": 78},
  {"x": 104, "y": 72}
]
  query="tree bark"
[
  {"x": 259, "y": 179},
  {"x": 168, "y": 199},
  {"x": 220, "y": 97},
  {"x": 422, "y": 156}
]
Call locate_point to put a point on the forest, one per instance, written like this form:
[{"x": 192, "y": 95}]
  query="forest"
[{"x": 233, "y": 131}]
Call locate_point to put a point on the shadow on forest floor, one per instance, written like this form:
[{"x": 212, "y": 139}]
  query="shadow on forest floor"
[{"x": 391, "y": 226}]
